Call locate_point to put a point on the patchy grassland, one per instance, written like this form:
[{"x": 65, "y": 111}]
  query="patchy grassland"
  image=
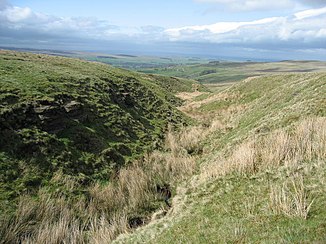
[
  {"x": 69, "y": 130},
  {"x": 251, "y": 170},
  {"x": 218, "y": 75},
  {"x": 262, "y": 168}
]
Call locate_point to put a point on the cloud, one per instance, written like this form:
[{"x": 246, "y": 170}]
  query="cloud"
[
  {"x": 251, "y": 5},
  {"x": 218, "y": 28},
  {"x": 313, "y": 2},
  {"x": 303, "y": 29},
  {"x": 24, "y": 27},
  {"x": 256, "y": 5},
  {"x": 152, "y": 29},
  {"x": 3, "y": 4},
  {"x": 16, "y": 14},
  {"x": 15, "y": 21},
  {"x": 310, "y": 13}
]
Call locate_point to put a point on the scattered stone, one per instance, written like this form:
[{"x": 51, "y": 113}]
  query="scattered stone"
[{"x": 71, "y": 106}]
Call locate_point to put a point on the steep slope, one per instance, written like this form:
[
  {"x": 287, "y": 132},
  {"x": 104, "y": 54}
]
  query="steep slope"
[
  {"x": 262, "y": 176},
  {"x": 87, "y": 119}
]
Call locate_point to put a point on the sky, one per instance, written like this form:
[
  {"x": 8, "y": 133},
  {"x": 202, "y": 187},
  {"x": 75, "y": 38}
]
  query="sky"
[{"x": 245, "y": 29}]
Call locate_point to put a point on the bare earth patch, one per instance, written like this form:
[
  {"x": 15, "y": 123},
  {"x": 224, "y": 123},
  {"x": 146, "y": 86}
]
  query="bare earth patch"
[{"x": 189, "y": 95}]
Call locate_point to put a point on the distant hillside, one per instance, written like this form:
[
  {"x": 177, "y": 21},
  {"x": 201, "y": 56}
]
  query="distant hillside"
[
  {"x": 217, "y": 73},
  {"x": 87, "y": 119}
]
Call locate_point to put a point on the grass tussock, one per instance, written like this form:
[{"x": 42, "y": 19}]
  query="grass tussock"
[
  {"x": 291, "y": 198},
  {"x": 305, "y": 142},
  {"x": 102, "y": 212},
  {"x": 48, "y": 220},
  {"x": 104, "y": 231},
  {"x": 188, "y": 141}
]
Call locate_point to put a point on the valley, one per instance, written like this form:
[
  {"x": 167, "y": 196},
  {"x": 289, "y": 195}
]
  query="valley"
[
  {"x": 84, "y": 147},
  {"x": 261, "y": 175}
]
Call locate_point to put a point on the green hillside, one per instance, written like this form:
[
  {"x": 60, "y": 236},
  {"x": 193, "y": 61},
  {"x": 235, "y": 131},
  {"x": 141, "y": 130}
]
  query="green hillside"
[
  {"x": 84, "y": 148},
  {"x": 262, "y": 170},
  {"x": 86, "y": 119},
  {"x": 218, "y": 74}
]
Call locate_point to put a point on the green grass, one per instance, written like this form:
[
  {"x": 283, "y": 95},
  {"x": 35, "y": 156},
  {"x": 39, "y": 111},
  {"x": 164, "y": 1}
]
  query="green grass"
[
  {"x": 271, "y": 102},
  {"x": 87, "y": 119},
  {"x": 139, "y": 62},
  {"x": 133, "y": 62},
  {"x": 229, "y": 72},
  {"x": 237, "y": 207}
]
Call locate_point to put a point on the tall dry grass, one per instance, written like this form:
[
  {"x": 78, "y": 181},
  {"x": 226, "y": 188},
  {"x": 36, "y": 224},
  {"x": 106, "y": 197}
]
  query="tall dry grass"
[
  {"x": 305, "y": 142},
  {"x": 48, "y": 220},
  {"x": 104, "y": 211},
  {"x": 103, "y": 230},
  {"x": 291, "y": 199},
  {"x": 302, "y": 144}
]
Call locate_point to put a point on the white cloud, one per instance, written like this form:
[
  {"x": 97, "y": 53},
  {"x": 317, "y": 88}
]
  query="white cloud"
[
  {"x": 255, "y": 5},
  {"x": 310, "y": 13},
  {"x": 24, "y": 19},
  {"x": 251, "y": 5},
  {"x": 16, "y": 14},
  {"x": 218, "y": 28},
  {"x": 304, "y": 28},
  {"x": 34, "y": 24}
]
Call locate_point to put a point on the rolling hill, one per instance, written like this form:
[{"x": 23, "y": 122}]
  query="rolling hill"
[
  {"x": 218, "y": 74},
  {"x": 85, "y": 148},
  {"x": 86, "y": 119}
]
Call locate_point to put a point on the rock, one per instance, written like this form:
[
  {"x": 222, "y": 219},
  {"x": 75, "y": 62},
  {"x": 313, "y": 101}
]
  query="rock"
[
  {"x": 71, "y": 106},
  {"x": 42, "y": 117},
  {"x": 42, "y": 108}
]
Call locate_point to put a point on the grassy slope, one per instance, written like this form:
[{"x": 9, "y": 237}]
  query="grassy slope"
[
  {"x": 131, "y": 62},
  {"x": 139, "y": 62},
  {"x": 85, "y": 118},
  {"x": 224, "y": 72},
  {"x": 227, "y": 202}
]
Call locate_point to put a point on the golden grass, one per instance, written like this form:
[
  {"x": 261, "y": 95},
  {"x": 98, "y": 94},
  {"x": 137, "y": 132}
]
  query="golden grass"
[
  {"x": 185, "y": 142},
  {"x": 190, "y": 95},
  {"x": 49, "y": 220},
  {"x": 105, "y": 231},
  {"x": 306, "y": 142},
  {"x": 104, "y": 211},
  {"x": 291, "y": 199}
]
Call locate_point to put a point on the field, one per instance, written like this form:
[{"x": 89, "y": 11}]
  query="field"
[
  {"x": 127, "y": 61},
  {"x": 218, "y": 74}
]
